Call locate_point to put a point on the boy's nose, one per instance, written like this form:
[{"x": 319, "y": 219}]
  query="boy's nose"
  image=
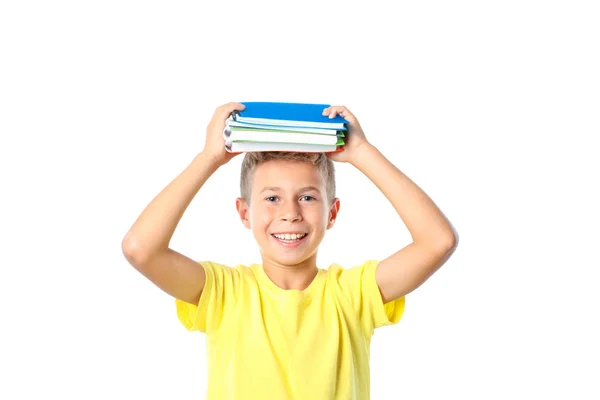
[
  {"x": 291, "y": 217},
  {"x": 290, "y": 214}
]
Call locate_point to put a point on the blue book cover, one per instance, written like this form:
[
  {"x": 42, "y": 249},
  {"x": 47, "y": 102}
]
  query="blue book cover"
[{"x": 288, "y": 114}]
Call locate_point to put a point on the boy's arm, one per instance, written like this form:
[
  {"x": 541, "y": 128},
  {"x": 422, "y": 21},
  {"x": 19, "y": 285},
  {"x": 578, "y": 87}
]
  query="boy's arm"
[
  {"x": 146, "y": 244},
  {"x": 434, "y": 239}
]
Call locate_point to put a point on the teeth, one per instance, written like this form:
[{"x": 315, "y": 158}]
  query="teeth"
[{"x": 290, "y": 236}]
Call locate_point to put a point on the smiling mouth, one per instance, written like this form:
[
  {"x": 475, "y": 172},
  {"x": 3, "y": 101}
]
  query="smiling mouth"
[{"x": 289, "y": 238}]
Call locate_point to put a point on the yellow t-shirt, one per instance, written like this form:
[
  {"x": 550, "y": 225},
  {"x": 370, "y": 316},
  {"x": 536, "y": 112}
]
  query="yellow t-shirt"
[{"x": 265, "y": 342}]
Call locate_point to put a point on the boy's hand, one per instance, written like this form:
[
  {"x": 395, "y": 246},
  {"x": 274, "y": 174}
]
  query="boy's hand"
[
  {"x": 355, "y": 137},
  {"x": 215, "y": 143}
]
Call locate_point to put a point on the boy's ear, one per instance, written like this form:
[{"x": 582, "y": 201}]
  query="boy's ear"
[
  {"x": 333, "y": 212},
  {"x": 244, "y": 211}
]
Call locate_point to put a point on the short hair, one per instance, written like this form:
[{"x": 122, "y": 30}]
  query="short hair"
[{"x": 253, "y": 159}]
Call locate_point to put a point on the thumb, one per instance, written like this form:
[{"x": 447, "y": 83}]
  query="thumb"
[{"x": 226, "y": 109}]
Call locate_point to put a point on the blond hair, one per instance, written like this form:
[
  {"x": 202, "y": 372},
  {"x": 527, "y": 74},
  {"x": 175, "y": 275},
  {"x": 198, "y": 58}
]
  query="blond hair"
[{"x": 253, "y": 159}]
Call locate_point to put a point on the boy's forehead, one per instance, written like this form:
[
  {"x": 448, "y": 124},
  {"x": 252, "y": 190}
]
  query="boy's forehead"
[{"x": 286, "y": 174}]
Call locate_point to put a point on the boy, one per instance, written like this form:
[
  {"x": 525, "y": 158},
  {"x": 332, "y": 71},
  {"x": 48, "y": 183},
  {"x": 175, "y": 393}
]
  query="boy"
[{"x": 286, "y": 329}]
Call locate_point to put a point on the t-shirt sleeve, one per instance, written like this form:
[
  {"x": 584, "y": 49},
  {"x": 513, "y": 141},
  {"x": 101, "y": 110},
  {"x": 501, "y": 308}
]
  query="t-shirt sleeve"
[
  {"x": 217, "y": 300},
  {"x": 367, "y": 300}
]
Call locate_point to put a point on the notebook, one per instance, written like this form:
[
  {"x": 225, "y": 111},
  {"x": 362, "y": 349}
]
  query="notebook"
[
  {"x": 298, "y": 127},
  {"x": 236, "y": 134},
  {"x": 232, "y": 123},
  {"x": 242, "y": 147},
  {"x": 289, "y": 114}
]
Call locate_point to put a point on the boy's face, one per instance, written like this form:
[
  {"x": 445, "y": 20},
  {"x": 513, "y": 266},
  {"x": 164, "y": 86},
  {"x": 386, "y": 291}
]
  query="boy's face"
[{"x": 288, "y": 212}]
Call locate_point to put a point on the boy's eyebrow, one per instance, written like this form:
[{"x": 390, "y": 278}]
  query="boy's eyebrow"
[{"x": 304, "y": 189}]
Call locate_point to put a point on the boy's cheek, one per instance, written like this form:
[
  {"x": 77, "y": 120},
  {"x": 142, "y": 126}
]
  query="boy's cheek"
[{"x": 260, "y": 221}]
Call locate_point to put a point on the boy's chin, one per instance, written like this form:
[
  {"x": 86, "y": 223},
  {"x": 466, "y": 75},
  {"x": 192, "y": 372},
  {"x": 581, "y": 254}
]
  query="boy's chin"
[
  {"x": 285, "y": 254},
  {"x": 287, "y": 259}
]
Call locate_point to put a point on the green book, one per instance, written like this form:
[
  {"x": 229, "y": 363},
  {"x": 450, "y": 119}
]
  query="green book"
[{"x": 275, "y": 136}]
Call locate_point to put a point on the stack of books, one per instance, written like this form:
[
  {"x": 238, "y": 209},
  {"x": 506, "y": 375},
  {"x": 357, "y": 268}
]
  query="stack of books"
[{"x": 272, "y": 126}]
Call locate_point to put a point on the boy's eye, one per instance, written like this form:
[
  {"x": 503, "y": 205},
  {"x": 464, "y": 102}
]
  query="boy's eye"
[{"x": 275, "y": 198}]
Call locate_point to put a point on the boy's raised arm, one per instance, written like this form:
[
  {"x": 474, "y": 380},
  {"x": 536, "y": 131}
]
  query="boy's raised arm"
[
  {"x": 434, "y": 238},
  {"x": 146, "y": 244}
]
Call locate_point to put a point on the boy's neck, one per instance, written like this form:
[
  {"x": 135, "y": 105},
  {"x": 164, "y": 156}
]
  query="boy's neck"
[{"x": 292, "y": 277}]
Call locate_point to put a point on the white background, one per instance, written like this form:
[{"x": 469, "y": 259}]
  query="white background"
[{"x": 490, "y": 107}]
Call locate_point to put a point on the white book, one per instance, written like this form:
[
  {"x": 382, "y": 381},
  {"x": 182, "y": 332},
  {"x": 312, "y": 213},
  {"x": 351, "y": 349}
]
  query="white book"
[
  {"x": 279, "y": 137},
  {"x": 283, "y": 122},
  {"x": 241, "y": 147},
  {"x": 231, "y": 123}
]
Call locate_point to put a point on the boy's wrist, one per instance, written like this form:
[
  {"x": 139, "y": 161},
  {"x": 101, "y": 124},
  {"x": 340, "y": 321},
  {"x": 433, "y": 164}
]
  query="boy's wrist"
[
  {"x": 362, "y": 153},
  {"x": 209, "y": 160}
]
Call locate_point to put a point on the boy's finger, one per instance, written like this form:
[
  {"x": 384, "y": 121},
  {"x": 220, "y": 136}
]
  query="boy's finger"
[
  {"x": 225, "y": 110},
  {"x": 344, "y": 112}
]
